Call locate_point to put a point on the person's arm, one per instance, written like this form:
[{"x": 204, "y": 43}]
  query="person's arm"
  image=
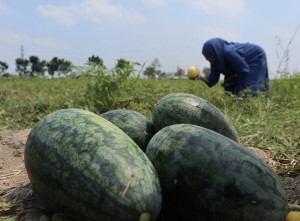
[{"x": 212, "y": 78}]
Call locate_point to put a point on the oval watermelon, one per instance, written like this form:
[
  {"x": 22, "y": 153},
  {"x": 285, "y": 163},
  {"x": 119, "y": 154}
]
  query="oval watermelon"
[
  {"x": 136, "y": 125},
  {"x": 183, "y": 108},
  {"x": 87, "y": 167},
  {"x": 207, "y": 176}
]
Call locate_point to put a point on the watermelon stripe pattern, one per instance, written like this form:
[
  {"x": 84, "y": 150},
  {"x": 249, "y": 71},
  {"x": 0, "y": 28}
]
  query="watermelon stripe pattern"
[
  {"x": 81, "y": 164},
  {"x": 183, "y": 108},
  {"x": 207, "y": 176},
  {"x": 136, "y": 125}
]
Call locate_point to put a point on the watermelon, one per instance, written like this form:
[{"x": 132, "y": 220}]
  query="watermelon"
[
  {"x": 183, "y": 108},
  {"x": 207, "y": 176},
  {"x": 88, "y": 168},
  {"x": 136, "y": 125}
]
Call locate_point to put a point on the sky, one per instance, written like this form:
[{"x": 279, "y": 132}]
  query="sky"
[{"x": 173, "y": 31}]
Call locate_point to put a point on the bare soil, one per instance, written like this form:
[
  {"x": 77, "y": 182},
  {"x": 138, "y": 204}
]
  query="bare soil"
[
  {"x": 19, "y": 201},
  {"x": 12, "y": 168}
]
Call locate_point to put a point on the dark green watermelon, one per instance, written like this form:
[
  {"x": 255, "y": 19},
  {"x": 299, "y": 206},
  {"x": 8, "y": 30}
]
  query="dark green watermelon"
[
  {"x": 85, "y": 166},
  {"x": 183, "y": 108},
  {"x": 133, "y": 123},
  {"x": 207, "y": 176}
]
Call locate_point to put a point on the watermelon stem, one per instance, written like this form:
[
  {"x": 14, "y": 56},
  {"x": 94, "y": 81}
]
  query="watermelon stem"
[
  {"x": 293, "y": 207},
  {"x": 127, "y": 186}
]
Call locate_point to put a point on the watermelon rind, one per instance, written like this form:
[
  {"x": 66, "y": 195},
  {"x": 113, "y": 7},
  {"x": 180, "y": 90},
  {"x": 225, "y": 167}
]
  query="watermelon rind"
[
  {"x": 184, "y": 108},
  {"x": 136, "y": 125},
  {"x": 86, "y": 167},
  {"x": 207, "y": 176}
]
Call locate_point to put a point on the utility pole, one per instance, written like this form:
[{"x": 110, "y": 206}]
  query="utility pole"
[
  {"x": 22, "y": 57},
  {"x": 22, "y": 52}
]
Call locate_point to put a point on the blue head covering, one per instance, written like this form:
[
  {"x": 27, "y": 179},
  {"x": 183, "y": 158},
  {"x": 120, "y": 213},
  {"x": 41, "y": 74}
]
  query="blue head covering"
[{"x": 215, "y": 48}]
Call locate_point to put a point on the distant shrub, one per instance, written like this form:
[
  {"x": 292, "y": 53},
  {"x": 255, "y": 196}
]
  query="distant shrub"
[{"x": 104, "y": 87}]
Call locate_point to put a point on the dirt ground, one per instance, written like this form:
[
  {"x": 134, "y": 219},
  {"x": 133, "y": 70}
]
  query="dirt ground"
[
  {"x": 15, "y": 185},
  {"x": 12, "y": 168}
]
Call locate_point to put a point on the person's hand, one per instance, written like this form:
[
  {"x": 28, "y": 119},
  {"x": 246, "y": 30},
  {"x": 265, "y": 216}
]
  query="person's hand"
[
  {"x": 227, "y": 84},
  {"x": 201, "y": 78}
]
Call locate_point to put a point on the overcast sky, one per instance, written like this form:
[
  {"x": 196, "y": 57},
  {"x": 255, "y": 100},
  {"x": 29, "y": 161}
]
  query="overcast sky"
[{"x": 141, "y": 30}]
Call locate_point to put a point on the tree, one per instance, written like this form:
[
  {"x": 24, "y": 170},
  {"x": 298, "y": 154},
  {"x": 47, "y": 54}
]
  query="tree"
[
  {"x": 3, "y": 67},
  {"x": 37, "y": 66},
  {"x": 150, "y": 72},
  {"x": 163, "y": 75},
  {"x": 21, "y": 66},
  {"x": 64, "y": 67},
  {"x": 206, "y": 71},
  {"x": 179, "y": 72},
  {"x": 52, "y": 66},
  {"x": 153, "y": 71},
  {"x": 122, "y": 63},
  {"x": 125, "y": 66},
  {"x": 96, "y": 60},
  {"x": 59, "y": 66}
]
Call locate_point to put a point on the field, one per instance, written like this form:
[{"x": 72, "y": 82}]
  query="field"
[{"x": 270, "y": 123}]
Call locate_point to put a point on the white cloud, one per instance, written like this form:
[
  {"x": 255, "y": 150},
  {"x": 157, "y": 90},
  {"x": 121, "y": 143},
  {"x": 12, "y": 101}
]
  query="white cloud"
[
  {"x": 94, "y": 10},
  {"x": 228, "y": 8},
  {"x": 11, "y": 37},
  {"x": 63, "y": 15}
]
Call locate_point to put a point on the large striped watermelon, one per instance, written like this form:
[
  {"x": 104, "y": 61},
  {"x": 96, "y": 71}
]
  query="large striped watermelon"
[
  {"x": 136, "y": 125},
  {"x": 207, "y": 176},
  {"x": 183, "y": 108},
  {"x": 85, "y": 166}
]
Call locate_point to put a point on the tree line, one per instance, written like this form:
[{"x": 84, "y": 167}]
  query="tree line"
[{"x": 36, "y": 67}]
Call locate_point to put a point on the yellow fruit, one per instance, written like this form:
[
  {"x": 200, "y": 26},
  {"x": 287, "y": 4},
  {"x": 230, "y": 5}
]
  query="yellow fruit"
[
  {"x": 293, "y": 216},
  {"x": 193, "y": 72}
]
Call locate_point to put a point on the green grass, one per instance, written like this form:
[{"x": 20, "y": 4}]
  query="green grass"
[{"x": 271, "y": 123}]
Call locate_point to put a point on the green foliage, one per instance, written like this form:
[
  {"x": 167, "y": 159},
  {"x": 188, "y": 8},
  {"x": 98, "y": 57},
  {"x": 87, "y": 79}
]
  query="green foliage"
[
  {"x": 38, "y": 67},
  {"x": 179, "y": 72},
  {"x": 3, "y": 67},
  {"x": 269, "y": 122},
  {"x": 22, "y": 66},
  {"x": 122, "y": 63},
  {"x": 6, "y": 206},
  {"x": 153, "y": 70},
  {"x": 104, "y": 87},
  {"x": 8, "y": 219},
  {"x": 96, "y": 60},
  {"x": 24, "y": 101},
  {"x": 206, "y": 71}
]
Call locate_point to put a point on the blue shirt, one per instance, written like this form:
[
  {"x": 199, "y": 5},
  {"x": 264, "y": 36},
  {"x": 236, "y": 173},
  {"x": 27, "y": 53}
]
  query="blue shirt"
[{"x": 244, "y": 65}]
